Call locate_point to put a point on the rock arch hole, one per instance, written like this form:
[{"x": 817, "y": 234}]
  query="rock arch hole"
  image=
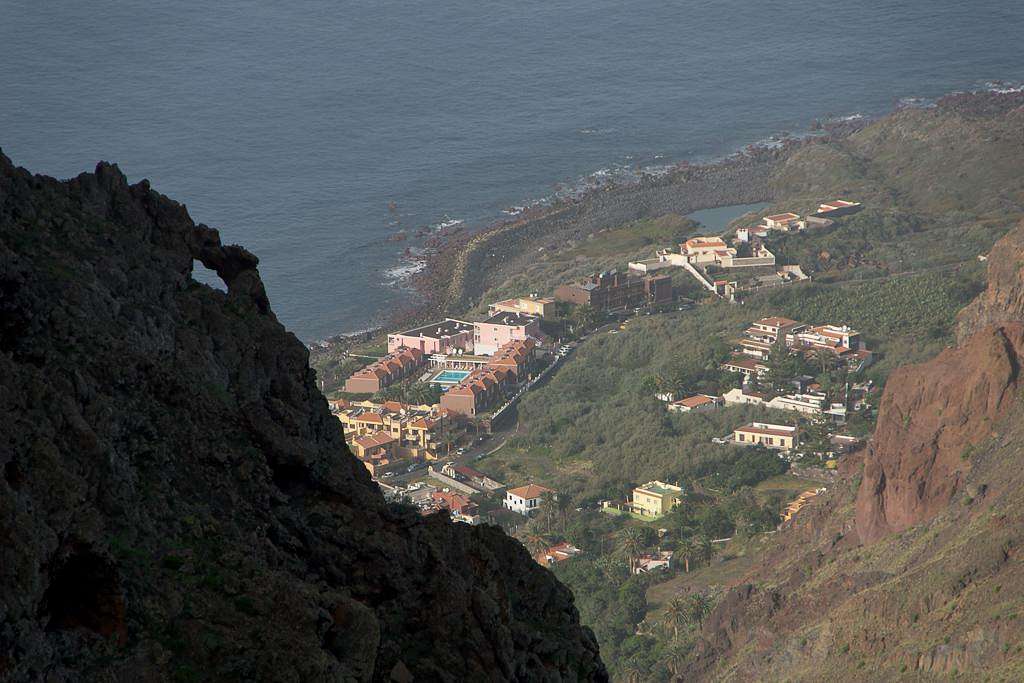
[{"x": 207, "y": 276}]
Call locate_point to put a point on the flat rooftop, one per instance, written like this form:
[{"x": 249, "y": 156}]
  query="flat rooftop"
[
  {"x": 659, "y": 488},
  {"x": 510, "y": 318},
  {"x": 445, "y": 328}
]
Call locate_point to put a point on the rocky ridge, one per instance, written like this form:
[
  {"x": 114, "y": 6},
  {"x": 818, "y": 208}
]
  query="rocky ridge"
[{"x": 177, "y": 502}]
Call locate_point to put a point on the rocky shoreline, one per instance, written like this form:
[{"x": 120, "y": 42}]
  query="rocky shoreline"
[{"x": 457, "y": 267}]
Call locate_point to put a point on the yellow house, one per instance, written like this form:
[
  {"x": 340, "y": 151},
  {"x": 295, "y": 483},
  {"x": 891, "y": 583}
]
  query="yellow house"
[
  {"x": 542, "y": 307},
  {"x": 781, "y": 437},
  {"x": 655, "y": 498}
]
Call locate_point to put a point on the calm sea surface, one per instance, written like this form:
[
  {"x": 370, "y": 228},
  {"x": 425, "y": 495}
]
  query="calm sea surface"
[{"x": 292, "y": 126}]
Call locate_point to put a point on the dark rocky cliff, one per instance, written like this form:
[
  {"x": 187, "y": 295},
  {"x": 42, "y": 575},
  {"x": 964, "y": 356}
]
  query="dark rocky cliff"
[{"x": 176, "y": 500}]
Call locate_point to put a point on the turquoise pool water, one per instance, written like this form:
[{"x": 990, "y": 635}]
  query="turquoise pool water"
[{"x": 450, "y": 377}]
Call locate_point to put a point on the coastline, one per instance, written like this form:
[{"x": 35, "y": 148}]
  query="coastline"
[
  {"x": 447, "y": 266},
  {"x": 456, "y": 268}
]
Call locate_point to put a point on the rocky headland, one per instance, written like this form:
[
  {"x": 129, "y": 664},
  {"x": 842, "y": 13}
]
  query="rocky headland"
[{"x": 178, "y": 503}]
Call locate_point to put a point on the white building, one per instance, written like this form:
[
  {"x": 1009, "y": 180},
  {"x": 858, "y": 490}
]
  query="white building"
[
  {"x": 809, "y": 404},
  {"x": 781, "y": 221},
  {"x": 738, "y": 396},
  {"x": 525, "y": 499}
]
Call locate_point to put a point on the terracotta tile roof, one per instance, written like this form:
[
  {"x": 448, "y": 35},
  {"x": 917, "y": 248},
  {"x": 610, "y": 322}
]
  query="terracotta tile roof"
[
  {"x": 530, "y": 491},
  {"x": 777, "y": 321},
  {"x": 694, "y": 401},
  {"x": 374, "y": 440}
]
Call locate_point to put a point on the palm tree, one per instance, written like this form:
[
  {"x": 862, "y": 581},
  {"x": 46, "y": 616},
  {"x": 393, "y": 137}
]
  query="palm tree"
[
  {"x": 562, "y": 505},
  {"x": 705, "y": 549},
  {"x": 688, "y": 549},
  {"x": 547, "y": 512},
  {"x": 824, "y": 358},
  {"x": 677, "y": 654},
  {"x": 677, "y": 613},
  {"x": 700, "y": 606},
  {"x": 631, "y": 544},
  {"x": 633, "y": 672}
]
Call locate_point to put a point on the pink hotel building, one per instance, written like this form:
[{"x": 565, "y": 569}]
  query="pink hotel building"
[
  {"x": 502, "y": 328},
  {"x": 482, "y": 339},
  {"x": 443, "y": 337}
]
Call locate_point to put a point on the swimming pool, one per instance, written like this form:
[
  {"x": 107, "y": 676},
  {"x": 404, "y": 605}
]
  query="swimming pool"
[{"x": 450, "y": 377}]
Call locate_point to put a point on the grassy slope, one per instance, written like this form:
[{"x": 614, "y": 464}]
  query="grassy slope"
[{"x": 938, "y": 601}]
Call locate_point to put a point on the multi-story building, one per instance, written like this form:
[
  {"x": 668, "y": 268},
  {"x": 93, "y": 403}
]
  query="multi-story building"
[
  {"x": 779, "y": 437},
  {"x": 838, "y": 338},
  {"x": 485, "y": 385},
  {"x": 542, "y": 307},
  {"x": 443, "y": 337},
  {"x": 769, "y": 329},
  {"x": 502, "y": 328},
  {"x": 398, "y": 364},
  {"x": 422, "y": 428},
  {"x": 655, "y": 498},
  {"x": 526, "y": 499},
  {"x": 611, "y": 291},
  {"x": 810, "y": 404},
  {"x": 706, "y": 250}
]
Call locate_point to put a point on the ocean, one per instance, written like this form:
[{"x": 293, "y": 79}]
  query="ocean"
[{"x": 311, "y": 131}]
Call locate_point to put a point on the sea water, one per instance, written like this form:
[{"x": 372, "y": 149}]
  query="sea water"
[{"x": 311, "y": 131}]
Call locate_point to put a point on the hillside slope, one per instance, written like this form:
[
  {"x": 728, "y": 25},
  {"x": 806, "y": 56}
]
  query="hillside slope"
[
  {"x": 908, "y": 569},
  {"x": 176, "y": 500}
]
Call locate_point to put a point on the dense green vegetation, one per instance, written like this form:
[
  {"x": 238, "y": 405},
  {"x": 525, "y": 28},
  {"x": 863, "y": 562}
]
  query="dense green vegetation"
[
  {"x": 596, "y": 429},
  {"x": 614, "y": 599}
]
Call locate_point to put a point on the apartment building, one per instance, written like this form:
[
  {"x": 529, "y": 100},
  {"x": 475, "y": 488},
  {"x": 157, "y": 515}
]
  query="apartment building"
[
  {"x": 447, "y": 336},
  {"x": 611, "y": 290},
  {"x": 398, "y": 364},
  {"x": 501, "y": 328}
]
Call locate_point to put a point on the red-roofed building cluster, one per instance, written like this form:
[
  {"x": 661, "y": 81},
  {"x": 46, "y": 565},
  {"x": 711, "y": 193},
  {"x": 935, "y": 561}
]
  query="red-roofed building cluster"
[
  {"x": 484, "y": 386},
  {"x": 397, "y": 365}
]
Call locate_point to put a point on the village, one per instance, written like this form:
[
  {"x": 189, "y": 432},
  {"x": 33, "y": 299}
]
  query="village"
[{"x": 419, "y": 416}]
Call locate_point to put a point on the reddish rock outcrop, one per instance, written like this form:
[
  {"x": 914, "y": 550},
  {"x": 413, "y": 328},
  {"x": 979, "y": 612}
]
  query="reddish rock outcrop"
[
  {"x": 934, "y": 413},
  {"x": 930, "y": 417},
  {"x": 1003, "y": 300}
]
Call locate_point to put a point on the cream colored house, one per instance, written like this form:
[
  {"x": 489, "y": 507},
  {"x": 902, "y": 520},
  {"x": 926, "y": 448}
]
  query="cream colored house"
[
  {"x": 780, "y": 437},
  {"x": 655, "y": 498},
  {"x": 542, "y": 307}
]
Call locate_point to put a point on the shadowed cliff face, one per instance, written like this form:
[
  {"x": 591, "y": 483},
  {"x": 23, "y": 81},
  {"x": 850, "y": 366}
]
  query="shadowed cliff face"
[{"x": 176, "y": 500}]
